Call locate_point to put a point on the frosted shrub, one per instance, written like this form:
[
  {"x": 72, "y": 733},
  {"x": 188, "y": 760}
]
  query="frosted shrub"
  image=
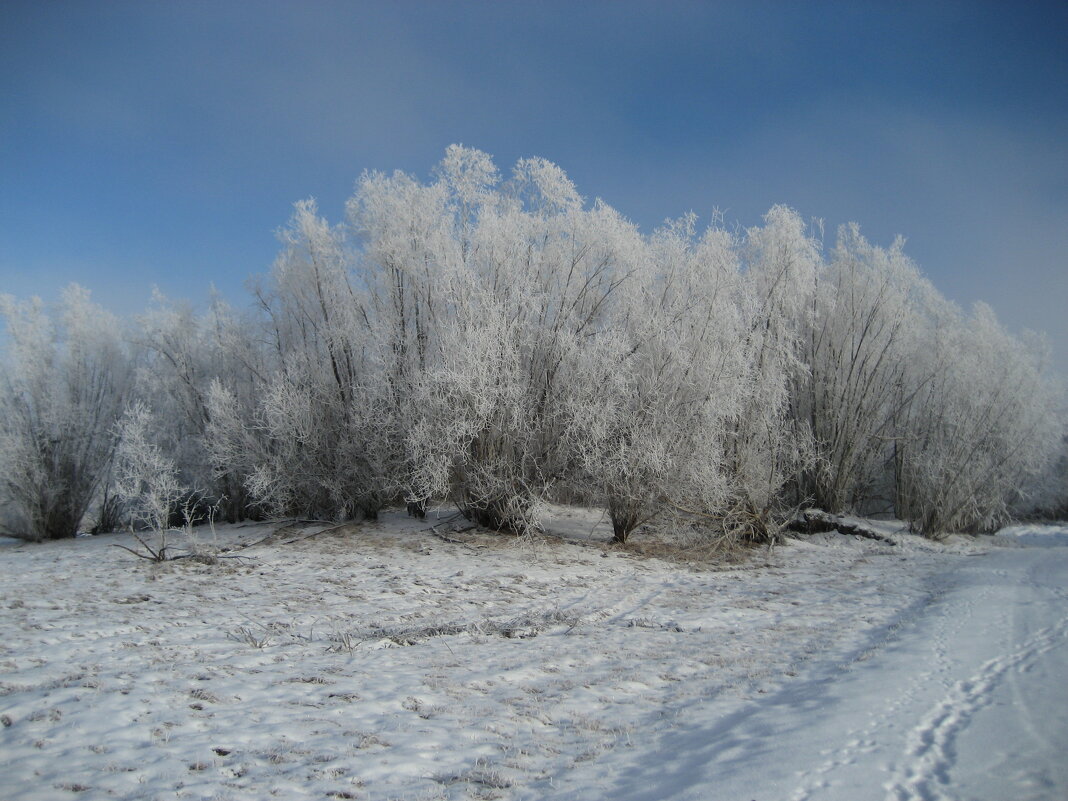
[
  {"x": 146, "y": 479},
  {"x": 859, "y": 346},
  {"x": 982, "y": 430},
  {"x": 475, "y": 441},
  {"x": 408, "y": 261},
  {"x": 662, "y": 383},
  {"x": 524, "y": 274},
  {"x": 62, "y": 391},
  {"x": 318, "y": 439},
  {"x": 183, "y": 353},
  {"x": 766, "y": 448}
]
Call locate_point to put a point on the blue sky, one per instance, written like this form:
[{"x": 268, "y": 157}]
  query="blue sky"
[{"x": 156, "y": 143}]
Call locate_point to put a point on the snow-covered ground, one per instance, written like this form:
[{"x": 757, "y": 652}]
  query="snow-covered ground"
[{"x": 381, "y": 661}]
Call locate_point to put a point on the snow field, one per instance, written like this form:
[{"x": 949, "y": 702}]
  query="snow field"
[{"x": 380, "y": 661}]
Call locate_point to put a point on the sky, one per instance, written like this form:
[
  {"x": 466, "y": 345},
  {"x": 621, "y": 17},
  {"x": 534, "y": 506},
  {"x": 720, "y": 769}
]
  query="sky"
[{"x": 163, "y": 144}]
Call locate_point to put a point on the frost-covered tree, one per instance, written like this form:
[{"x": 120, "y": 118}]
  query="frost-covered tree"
[
  {"x": 983, "y": 427},
  {"x": 184, "y": 353},
  {"x": 532, "y": 280},
  {"x": 860, "y": 345},
  {"x": 407, "y": 266},
  {"x": 62, "y": 390},
  {"x": 1049, "y": 496},
  {"x": 663, "y": 381},
  {"x": 317, "y": 442},
  {"x": 766, "y": 449}
]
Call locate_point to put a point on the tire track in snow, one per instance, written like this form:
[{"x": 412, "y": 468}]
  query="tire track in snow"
[{"x": 931, "y": 752}]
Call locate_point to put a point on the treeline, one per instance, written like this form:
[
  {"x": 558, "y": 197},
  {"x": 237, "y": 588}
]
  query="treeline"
[{"x": 500, "y": 344}]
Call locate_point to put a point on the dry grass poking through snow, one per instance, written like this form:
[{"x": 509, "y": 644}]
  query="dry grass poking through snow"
[{"x": 381, "y": 661}]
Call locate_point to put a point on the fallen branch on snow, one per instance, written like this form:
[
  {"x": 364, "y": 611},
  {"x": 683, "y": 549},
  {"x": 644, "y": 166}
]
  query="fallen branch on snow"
[{"x": 816, "y": 521}]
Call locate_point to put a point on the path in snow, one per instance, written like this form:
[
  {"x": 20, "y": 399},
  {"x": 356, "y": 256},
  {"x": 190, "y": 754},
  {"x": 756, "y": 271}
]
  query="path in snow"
[{"x": 964, "y": 698}]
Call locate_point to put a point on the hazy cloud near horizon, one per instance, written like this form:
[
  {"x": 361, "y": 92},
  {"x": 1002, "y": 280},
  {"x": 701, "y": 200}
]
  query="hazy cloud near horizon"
[{"x": 163, "y": 144}]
